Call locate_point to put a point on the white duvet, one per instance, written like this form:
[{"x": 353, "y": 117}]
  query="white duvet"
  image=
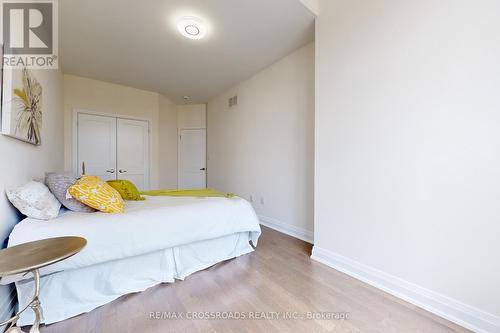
[{"x": 146, "y": 226}]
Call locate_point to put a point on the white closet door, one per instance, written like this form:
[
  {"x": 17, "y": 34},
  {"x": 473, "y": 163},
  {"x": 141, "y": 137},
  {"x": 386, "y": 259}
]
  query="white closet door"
[
  {"x": 133, "y": 152},
  {"x": 96, "y": 145},
  {"x": 193, "y": 159}
]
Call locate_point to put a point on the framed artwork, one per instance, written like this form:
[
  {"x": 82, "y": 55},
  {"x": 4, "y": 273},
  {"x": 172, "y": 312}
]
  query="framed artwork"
[{"x": 21, "y": 105}]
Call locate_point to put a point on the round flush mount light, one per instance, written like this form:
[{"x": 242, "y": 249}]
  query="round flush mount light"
[{"x": 192, "y": 27}]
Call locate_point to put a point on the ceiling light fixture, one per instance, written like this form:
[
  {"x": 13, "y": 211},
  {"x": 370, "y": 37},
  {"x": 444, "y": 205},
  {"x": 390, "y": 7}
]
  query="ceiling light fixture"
[{"x": 191, "y": 27}]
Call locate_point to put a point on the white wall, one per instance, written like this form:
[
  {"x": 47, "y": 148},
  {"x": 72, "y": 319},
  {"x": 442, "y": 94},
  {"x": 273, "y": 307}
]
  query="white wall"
[
  {"x": 104, "y": 97},
  {"x": 192, "y": 116},
  {"x": 408, "y": 143},
  {"x": 168, "y": 144},
  {"x": 263, "y": 147},
  {"x": 312, "y": 5},
  {"x": 22, "y": 161}
]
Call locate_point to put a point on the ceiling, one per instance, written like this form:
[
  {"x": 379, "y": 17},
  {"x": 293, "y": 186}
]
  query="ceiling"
[{"x": 135, "y": 43}]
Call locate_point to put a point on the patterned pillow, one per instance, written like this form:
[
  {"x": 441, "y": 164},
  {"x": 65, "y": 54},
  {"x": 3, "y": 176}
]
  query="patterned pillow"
[
  {"x": 95, "y": 193},
  {"x": 127, "y": 189},
  {"x": 35, "y": 200},
  {"x": 58, "y": 184}
]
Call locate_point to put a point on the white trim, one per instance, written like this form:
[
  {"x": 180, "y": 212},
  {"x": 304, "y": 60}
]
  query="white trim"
[
  {"x": 300, "y": 233},
  {"x": 192, "y": 128},
  {"x": 443, "y": 306},
  {"x": 74, "y": 149}
]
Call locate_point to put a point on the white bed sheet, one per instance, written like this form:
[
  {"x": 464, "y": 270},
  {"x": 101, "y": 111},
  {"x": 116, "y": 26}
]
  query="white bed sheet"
[
  {"x": 69, "y": 293},
  {"x": 148, "y": 226}
]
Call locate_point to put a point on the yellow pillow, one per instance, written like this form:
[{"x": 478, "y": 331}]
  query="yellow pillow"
[
  {"x": 95, "y": 193},
  {"x": 127, "y": 189}
]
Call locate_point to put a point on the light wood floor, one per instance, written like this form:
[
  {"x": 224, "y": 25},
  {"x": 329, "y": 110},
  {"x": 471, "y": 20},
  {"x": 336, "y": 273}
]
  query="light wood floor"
[{"x": 278, "y": 276}]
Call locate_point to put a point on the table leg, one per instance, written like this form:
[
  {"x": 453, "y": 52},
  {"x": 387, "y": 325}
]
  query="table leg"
[{"x": 35, "y": 304}]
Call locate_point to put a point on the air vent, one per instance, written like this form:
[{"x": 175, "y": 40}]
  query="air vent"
[{"x": 233, "y": 101}]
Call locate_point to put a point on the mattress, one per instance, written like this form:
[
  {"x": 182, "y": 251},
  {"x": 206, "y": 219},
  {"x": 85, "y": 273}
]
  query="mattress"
[
  {"x": 148, "y": 226},
  {"x": 68, "y": 293}
]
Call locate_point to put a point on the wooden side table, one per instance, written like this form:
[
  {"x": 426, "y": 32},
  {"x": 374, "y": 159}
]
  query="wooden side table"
[{"x": 29, "y": 258}]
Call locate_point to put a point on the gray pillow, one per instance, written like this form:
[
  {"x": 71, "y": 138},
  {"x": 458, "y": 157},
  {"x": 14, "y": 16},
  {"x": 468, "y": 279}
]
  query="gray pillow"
[{"x": 58, "y": 183}]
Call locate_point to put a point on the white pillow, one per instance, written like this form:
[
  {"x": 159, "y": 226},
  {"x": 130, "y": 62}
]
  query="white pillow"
[{"x": 35, "y": 200}]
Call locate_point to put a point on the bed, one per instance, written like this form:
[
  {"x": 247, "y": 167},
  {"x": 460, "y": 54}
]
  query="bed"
[{"x": 155, "y": 241}]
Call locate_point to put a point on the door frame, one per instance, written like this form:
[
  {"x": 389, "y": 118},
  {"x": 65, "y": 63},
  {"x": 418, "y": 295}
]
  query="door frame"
[
  {"x": 179, "y": 130},
  {"x": 74, "y": 150}
]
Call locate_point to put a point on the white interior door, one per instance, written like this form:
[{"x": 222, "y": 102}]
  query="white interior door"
[
  {"x": 96, "y": 145},
  {"x": 133, "y": 152},
  {"x": 192, "y": 158}
]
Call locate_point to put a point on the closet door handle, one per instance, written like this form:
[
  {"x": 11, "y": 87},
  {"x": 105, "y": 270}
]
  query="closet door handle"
[
  {"x": 122, "y": 171},
  {"x": 110, "y": 171}
]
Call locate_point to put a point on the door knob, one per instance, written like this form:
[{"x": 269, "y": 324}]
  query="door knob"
[
  {"x": 203, "y": 169},
  {"x": 122, "y": 171},
  {"x": 110, "y": 171}
]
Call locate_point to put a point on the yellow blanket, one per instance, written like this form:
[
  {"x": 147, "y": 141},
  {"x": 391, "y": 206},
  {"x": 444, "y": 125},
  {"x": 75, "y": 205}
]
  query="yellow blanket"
[{"x": 203, "y": 192}]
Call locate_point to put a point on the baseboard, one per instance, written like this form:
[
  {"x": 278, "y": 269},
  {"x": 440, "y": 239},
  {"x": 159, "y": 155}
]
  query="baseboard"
[
  {"x": 443, "y": 306},
  {"x": 302, "y": 234}
]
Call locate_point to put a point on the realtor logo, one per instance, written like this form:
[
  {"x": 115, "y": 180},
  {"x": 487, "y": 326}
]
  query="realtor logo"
[{"x": 29, "y": 34}]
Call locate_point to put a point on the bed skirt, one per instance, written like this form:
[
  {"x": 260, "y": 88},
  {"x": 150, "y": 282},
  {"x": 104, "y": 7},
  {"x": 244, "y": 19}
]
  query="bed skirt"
[{"x": 69, "y": 293}]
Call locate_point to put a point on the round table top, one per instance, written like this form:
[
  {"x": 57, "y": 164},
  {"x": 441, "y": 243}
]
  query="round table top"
[{"x": 33, "y": 255}]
